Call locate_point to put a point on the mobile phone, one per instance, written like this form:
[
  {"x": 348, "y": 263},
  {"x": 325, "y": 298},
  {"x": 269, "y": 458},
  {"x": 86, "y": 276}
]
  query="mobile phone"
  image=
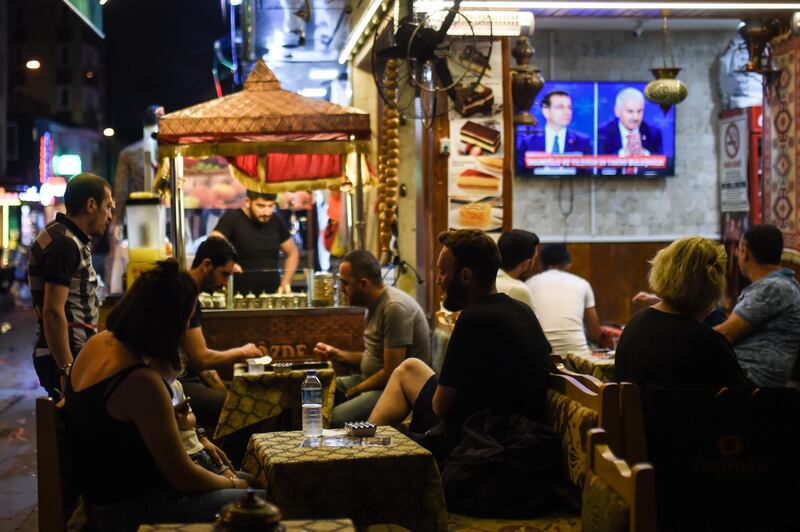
[{"x": 182, "y": 405}]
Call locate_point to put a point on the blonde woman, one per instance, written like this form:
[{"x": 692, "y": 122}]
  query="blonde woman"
[{"x": 667, "y": 344}]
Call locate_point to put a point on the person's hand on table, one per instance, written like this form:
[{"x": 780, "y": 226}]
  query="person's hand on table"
[
  {"x": 646, "y": 297},
  {"x": 327, "y": 352},
  {"x": 250, "y": 350},
  {"x": 285, "y": 289}
]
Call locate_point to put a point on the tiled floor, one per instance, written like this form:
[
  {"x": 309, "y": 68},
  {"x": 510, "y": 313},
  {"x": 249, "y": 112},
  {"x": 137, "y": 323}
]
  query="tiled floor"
[{"x": 19, "y": 388}]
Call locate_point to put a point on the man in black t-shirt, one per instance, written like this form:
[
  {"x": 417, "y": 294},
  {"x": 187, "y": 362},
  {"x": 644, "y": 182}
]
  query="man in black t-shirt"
[
  {"x": 496, "y": 357},
  {"x": 214, "y": 262},
  {"x": 258, "y": 236}
]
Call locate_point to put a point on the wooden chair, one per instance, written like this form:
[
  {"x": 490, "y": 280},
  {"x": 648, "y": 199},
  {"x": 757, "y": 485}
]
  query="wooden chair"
[
  {"x": 617, "y": 496},
  {"x": 726, "y": 459},
  {"x": 56, "y": 492},
  {"x": 590, "y": 381},
  {"x": 634, "y": 442},
  {"x": 572, "y": 411}
]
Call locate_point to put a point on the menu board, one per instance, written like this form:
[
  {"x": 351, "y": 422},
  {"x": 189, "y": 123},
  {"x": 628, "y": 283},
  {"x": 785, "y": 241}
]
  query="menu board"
[{"x": 475, "y": 165}]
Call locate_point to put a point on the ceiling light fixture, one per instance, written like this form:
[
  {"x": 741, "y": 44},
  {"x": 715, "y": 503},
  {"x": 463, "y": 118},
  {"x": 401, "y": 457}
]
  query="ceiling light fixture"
[
  {"x": 33, "y": 64},
  {"x": 654, "y": 5},
  {"x": 313, "y": 92},
  {"x": 323, "y": 74},
  {"x": 358, "y": 30},
  {"x": 109, "y": 132}
]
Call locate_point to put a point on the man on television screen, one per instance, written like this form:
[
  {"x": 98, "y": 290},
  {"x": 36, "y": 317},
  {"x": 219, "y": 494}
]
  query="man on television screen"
[
  {"x": 556, "y": 137},
  {"x": 628, "y": 135}
]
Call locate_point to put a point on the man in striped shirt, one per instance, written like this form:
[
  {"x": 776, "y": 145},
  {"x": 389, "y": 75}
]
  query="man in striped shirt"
[{"x": 63, "y": 281}]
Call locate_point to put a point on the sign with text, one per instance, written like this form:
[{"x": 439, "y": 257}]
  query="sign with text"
[{"x": 733, "y": 164}]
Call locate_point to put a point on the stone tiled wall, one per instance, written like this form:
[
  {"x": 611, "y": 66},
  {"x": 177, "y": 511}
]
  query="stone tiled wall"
[{"x": 632, "y": 208}]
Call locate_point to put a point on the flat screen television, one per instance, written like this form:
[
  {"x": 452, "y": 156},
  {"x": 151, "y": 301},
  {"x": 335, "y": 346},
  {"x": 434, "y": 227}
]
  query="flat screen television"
[{"x": 595, "y": 128}]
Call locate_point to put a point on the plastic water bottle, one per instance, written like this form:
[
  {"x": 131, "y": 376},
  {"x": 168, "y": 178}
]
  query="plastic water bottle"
[{"x": 312, "y": 405}]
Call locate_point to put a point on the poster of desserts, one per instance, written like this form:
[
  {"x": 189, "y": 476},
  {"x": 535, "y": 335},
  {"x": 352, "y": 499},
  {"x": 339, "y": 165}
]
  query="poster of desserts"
[{"x": 475, "y": 165}]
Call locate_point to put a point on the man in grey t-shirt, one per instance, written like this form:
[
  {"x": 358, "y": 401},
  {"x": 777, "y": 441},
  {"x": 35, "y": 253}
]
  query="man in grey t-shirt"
[
  {"x": 764, "y": 327},
  {"x": 396, "y": 329}
]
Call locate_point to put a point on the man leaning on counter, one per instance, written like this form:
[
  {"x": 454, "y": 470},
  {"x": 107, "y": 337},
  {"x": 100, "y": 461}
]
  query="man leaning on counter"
[{"x": 259, "y": 235}]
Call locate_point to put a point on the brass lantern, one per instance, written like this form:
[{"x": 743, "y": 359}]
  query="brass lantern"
[
  {"x": 666, "y": 90},
  {"x": 526, "y": 82}
]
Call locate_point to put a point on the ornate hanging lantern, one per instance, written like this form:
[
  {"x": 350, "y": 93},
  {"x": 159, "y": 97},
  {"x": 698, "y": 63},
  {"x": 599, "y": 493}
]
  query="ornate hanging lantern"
[
  {"x": 526, "y": 82},
  {"x": 666, "y": 90}
]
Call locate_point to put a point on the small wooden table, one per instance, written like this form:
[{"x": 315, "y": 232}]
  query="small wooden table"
[
  {"x": 597, "y": 365},
  {"x": 252, "y": 398},
  {"x": 398, "y": 483},
  {"x": 304, "y": 525}
]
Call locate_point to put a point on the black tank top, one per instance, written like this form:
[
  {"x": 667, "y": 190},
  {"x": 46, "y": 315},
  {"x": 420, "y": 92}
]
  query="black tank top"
[{"x": 112, "y": 463}]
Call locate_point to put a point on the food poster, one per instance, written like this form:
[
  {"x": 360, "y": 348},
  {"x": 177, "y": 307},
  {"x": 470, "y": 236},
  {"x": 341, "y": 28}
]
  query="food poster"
[
  {"x": 475, "y": 165},
  {"x": 208, "y": 184}
]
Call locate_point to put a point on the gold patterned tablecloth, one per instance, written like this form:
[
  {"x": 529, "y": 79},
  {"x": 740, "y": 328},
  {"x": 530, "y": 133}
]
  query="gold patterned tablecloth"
[
  {"x": 398, "y": 483},
  {"x": 602, "y": 368},
  {"x": 305, "y": 525},
  {"x": 255, "y": 397}
]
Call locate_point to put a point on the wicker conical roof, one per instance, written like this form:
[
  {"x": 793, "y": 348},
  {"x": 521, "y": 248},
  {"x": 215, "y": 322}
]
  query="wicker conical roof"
[{"x": 262, "y": 109}]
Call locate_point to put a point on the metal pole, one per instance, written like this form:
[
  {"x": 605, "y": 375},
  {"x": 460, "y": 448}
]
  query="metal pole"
[
  {"x": 176, "y": 210},
  {"x": 359, "y": 214}
]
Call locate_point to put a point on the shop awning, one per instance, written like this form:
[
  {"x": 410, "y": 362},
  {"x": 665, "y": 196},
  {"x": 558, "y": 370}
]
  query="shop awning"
[{"x": 275, "y": 140}]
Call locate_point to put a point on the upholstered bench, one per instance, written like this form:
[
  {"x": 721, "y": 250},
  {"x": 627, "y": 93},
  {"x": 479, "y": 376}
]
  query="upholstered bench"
[{"x": 572, "y": 411}]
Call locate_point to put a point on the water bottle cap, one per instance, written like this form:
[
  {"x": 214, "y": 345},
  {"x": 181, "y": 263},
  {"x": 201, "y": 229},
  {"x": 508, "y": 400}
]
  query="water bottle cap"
[{"x": 311, "y": 373}]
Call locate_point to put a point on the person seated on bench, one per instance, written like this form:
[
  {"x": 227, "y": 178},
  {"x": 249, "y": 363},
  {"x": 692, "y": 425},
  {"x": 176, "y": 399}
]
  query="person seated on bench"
[
  {"x": 120, "y": 423},
  {"x": 667, "y": 344},
  {"x": 497, "y": 357}
]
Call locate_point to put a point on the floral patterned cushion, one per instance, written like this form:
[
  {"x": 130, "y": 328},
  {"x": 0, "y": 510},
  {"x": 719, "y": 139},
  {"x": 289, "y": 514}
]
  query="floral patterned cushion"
[
  {"x": 572, "y": 421},
  {"x": 556, "y": 522},
  {"x": 603, "y": 510}
]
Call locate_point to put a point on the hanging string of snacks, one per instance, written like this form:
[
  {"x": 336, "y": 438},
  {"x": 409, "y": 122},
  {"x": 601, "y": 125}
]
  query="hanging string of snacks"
[{"x": 388, "y": 162}]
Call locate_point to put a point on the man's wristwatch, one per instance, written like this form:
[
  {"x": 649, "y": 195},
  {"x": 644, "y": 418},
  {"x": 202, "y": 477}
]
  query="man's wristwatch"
[{"x": 64, "y": 370}]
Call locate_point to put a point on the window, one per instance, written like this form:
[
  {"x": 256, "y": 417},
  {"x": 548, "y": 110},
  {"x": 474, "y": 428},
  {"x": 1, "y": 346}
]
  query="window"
[
  {"x": 90, "y": 101},
  {"x": 12, "y": 141},
  {"x": 90, "y": 59},
  {"x": 64, "y": 98},
  {"x": 64, "y": 55}
]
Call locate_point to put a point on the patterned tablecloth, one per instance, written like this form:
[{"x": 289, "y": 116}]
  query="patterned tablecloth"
[
  {"x": 255, "y": 397},
  {"x": 597, "y": 366},
  {"x": 398, "y": 483},
  {"x": 327, "y": 525}
]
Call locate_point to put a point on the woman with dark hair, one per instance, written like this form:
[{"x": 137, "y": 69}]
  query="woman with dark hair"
[{"x": 120, "y": 421}]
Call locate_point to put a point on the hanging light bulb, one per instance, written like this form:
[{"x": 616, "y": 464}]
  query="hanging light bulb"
[{"x": 666, "y": 90}]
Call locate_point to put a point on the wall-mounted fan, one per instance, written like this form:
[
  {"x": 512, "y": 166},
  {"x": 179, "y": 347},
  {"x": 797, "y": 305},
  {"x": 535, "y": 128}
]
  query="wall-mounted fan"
[{"x": 441, "y": 56}]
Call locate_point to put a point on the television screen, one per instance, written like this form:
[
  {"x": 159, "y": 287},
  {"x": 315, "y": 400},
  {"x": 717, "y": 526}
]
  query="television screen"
[{"x": 596, "y": 128}]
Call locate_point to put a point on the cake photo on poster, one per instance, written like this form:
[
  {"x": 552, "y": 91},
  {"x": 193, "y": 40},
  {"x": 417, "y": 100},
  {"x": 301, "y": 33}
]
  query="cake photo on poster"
[
  {"x": 479, "y": 137},
  {"x": 485, "y": 214}
]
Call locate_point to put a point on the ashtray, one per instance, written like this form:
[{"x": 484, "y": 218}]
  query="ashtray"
[{"x": 360, "y": 429}]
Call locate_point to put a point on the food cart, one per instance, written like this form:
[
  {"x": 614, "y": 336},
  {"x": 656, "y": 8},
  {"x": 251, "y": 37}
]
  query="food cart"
[{"x": 274, "y": 141}]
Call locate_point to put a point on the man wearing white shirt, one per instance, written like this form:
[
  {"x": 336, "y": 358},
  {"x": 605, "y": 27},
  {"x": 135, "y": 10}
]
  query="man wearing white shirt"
[
  {"x": 517, "y": 255},
  {"x": 563, "y": 303}
]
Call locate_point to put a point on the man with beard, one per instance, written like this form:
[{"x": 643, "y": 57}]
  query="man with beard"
[
  {"x": 213, "y": 264},
  {"x": 396, "y": 330},
  {"x": 258, "y": 235},
  {"x": 63, "y": 281},
  {"x": 496, "y": 358}
]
